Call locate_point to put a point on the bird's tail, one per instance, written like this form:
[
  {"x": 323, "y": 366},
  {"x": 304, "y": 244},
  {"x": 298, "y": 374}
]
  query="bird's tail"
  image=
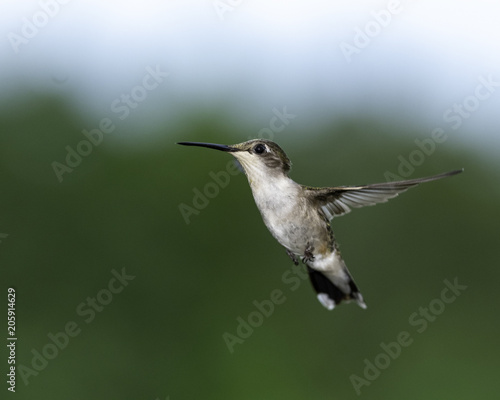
[{"x": 334, "y": 287}]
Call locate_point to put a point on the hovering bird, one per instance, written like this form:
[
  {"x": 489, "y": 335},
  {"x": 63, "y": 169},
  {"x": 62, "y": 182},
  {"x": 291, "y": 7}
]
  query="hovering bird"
[{"x": 299, "y": 216}]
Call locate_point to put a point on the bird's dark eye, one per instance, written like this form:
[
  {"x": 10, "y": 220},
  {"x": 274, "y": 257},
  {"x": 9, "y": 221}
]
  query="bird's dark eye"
[{"x": 259, "y": 149}]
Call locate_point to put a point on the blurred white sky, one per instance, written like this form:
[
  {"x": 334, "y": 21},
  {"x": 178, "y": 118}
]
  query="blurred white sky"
[{"x": 264, "y": 54}]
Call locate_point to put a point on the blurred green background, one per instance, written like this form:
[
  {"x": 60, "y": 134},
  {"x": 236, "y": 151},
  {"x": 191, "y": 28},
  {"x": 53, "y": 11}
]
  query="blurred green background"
[
  {"x": 162, "y": 335},
  {"x": 159, "y": 330}
]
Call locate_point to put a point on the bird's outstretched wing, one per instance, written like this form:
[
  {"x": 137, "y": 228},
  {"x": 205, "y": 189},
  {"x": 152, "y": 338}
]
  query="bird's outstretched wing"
[{"x": 336, "y": 201}]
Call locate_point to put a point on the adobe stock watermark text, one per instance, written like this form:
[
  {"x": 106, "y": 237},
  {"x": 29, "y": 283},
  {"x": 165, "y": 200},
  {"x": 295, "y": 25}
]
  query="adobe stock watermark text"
[
  {"x": 121, "y": 107},
  {"x": 419, "y": 322},
  {"x": 86, "y": 310}
]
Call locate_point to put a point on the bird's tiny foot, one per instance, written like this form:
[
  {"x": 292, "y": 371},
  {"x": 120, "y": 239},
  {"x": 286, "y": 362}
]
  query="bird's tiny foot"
[
  {"x": 308, "y": 253},
  {"x": 292, "y": 256}
]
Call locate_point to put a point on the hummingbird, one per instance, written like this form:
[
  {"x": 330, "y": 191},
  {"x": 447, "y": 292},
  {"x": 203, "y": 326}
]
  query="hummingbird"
[{"x": 300, "y": 217}]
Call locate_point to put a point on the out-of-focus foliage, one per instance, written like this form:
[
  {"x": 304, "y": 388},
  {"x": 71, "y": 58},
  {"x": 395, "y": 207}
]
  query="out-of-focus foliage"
[{"x": 162, "y": 335}]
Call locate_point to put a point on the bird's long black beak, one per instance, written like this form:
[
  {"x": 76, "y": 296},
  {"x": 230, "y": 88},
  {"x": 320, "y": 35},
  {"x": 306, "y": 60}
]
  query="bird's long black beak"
[{"x": 221, "y": 147}]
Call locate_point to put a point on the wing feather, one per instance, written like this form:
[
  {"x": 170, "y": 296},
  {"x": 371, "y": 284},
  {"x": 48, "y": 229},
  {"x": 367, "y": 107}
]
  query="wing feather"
[{"x": 336, "y": 201}]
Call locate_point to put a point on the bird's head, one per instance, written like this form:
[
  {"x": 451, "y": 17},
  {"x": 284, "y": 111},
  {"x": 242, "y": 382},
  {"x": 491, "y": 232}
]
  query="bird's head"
[{"x": 260, "y": 158}]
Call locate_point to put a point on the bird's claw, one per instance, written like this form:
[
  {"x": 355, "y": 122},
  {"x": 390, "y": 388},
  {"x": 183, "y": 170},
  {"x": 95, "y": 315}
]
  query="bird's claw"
[{"x": 308, "y": 253}]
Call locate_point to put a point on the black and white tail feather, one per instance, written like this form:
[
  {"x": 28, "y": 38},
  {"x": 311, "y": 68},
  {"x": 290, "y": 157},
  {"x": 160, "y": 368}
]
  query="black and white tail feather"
[{"x": 331, "y": 291}]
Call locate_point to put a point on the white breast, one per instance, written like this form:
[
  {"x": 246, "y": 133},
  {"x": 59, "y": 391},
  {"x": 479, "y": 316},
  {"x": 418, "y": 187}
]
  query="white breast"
[{"x": 279, "y": 203}]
